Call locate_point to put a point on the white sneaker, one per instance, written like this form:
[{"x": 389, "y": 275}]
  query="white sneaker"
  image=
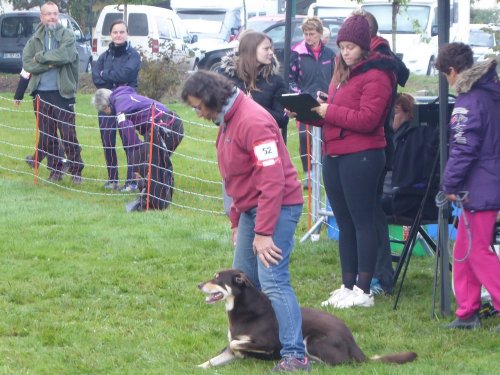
[
  {"x": 336, "y": 296},
  {"x": 356, "y": 298}
]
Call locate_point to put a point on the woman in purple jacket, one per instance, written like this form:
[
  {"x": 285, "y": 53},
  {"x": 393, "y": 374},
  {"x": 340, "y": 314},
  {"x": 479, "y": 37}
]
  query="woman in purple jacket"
[
  {"x": 472, "y": 178},
  {"x": 134, "y": 113}
]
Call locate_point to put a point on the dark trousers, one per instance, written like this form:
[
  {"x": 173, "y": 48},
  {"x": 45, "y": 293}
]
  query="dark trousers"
[
  {"x": 351, "y": 183},
  {"x": 57, "y": 114},
  {"x": 383, "y": 267},
  {"x": 304, "y": 134},
  {"x": 171, "y": 131},
  {"x": 108, "y": 127},
  {"x": 162, "y": 177}
]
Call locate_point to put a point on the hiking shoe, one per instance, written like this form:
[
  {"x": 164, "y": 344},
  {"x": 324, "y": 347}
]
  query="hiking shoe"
[
  {"x": 30, "y": 160},
  {"x": 77, "y": 180},
  {"x": 470, "y": 323},
  {"x": 112, "y": 185},
  {"x": 376, "y": 287},
  {"x": 130, "y": 188},
  {"x": 336, "y": 296},
  {"x": 65, "y": 165},
  {"x": 292, "y": 364},
  {"x": 55, "y": 176},
  {"x": 356, "y": 298}
]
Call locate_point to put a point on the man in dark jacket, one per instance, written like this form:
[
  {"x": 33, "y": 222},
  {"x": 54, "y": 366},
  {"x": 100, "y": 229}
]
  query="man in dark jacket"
[
  {"x": 51, "y": 58},
  {"x": 472, "y": 178}
]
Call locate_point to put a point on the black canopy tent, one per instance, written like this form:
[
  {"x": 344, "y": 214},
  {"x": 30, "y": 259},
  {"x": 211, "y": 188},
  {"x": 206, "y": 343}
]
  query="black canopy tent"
[{"x": 444, "y": 212}]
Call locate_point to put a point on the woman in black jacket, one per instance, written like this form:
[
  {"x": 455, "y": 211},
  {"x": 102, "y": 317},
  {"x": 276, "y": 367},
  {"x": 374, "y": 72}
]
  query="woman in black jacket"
[
  {"x": 254, "y": 69},
  {"x": 118, "y": 66}
]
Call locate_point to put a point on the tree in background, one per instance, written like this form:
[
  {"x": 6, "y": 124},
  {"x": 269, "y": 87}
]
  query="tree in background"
[
  {"x": 485, "y": 16},
  {"x": 85, "y": 12}
]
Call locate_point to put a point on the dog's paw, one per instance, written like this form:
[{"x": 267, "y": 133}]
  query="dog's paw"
[{"x": 205, "y": 365}]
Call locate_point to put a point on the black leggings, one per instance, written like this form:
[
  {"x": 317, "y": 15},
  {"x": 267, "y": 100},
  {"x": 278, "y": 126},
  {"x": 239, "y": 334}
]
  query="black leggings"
[{"x": 351, "y": 186}]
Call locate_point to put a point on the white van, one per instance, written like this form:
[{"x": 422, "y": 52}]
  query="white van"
[
  {"x": 482, "y": 40},
  {"x": 152, "y": 30},
  {"x": 332, "y": 9},
  {"x": 416, "y": 34}
]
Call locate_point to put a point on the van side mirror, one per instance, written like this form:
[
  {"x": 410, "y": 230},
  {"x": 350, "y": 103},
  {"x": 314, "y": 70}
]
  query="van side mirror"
[
  {"x": 434, "y": 30},
  {"x": 194, "y": 38}
]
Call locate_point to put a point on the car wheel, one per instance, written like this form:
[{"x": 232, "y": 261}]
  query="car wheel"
[
  {"x": 431, "y": 69},
  {"x": 215, "y": 66},
  {"x": 89, "y": 66},
  {"x": 195, "y": 66}
]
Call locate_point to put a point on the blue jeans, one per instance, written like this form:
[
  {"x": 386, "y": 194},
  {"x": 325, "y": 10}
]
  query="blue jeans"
[{"x": 275, "y": 280}]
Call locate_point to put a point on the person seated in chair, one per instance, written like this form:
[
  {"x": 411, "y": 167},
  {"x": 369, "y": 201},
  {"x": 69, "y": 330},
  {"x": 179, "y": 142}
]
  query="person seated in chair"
[
  {"x": 134, "y": 113},
  {"x": 415, "y": 149}
]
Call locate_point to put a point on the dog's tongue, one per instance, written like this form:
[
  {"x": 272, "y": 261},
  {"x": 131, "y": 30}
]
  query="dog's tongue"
[{"x": 212, "y": 298}]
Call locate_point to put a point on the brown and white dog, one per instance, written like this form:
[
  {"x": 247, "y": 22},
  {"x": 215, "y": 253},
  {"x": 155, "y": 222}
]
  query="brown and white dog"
[{"x": 253, "y": 328}]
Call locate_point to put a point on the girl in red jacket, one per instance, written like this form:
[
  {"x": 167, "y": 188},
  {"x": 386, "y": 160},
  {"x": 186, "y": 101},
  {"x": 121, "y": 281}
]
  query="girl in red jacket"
[
  {"x": 359, "y": 98},
  {"x": 267, "y": 199}
]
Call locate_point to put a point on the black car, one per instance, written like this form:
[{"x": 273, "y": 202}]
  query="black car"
[
  {"x": 17, "y": 27},
  {"x": 274, "y": 26}
]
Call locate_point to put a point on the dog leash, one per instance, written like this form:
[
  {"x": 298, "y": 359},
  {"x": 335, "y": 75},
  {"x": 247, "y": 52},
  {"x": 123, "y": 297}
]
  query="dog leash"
[{"x": 442, "y": 200}]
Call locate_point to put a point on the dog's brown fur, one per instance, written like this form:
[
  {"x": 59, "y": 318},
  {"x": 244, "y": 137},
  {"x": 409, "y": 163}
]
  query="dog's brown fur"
[{"x": 253, "y": 329}]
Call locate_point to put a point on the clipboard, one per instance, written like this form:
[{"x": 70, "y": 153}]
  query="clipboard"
[{"x": 301, "y": 104}]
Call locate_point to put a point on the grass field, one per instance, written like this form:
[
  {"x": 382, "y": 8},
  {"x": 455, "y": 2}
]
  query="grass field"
[{"x": 87, "y": 289}]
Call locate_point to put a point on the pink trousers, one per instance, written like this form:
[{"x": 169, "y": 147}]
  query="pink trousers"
[{"x": 474, "y": 263}]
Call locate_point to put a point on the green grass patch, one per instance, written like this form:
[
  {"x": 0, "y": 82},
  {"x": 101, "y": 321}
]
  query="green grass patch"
[{"x": 86, "y": 288}]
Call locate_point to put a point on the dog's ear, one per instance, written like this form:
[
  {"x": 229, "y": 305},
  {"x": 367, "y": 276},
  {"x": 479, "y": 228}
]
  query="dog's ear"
[{"x": 242, "y": 279}]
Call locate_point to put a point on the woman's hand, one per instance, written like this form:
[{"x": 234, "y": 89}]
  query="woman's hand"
[
  {"x": 266, "y": 250},
  {"x": 321, "y": 110},
  {"x": 321, "y": 97},
  {"x": 290, "y": 114},
  {"x": 234, "y": 235}
]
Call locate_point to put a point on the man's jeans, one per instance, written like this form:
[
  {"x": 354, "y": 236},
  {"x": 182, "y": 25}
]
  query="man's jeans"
[{"x": 275, "y": 280}]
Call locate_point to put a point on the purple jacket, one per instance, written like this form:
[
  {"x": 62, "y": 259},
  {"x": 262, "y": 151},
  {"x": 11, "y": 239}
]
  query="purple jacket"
[
  {"x": 134, "y": 111},
  {"x": 474, "y": 161}
]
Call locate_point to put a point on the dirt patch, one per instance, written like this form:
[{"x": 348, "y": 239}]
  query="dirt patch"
[{"x": 8, "y": 83}]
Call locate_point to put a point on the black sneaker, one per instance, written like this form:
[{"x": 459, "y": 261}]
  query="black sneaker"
[
  {"x": 112, "y": 185},
  {"x": 470, "y": 323},
  {"x": 77, "y": 180},
  {"x": 292, "y": 364},
  {"x": 55, "y": 176},
  {"x": 30, "y": 160}
]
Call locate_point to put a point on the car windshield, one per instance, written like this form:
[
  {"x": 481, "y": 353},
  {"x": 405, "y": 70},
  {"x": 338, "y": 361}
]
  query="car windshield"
[
  {"x": 19, "y": 27},
  {"x": 259, "y": 25},
  {"x": 203, "y": 22},
  {"x": 481, "y": 38},
  {"x": 409, "y": 20}
]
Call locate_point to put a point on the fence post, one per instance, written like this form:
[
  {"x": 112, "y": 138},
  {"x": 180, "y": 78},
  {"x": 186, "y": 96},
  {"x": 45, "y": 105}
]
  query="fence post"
[
  {"x": 151, "y": 139},
  {"x": 37, "y": 134}
]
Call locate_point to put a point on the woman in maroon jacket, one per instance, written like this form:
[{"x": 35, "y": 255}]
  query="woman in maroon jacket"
[
  {"x": 359, "y": 98},
  {"x": 267, "y": 198}
]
